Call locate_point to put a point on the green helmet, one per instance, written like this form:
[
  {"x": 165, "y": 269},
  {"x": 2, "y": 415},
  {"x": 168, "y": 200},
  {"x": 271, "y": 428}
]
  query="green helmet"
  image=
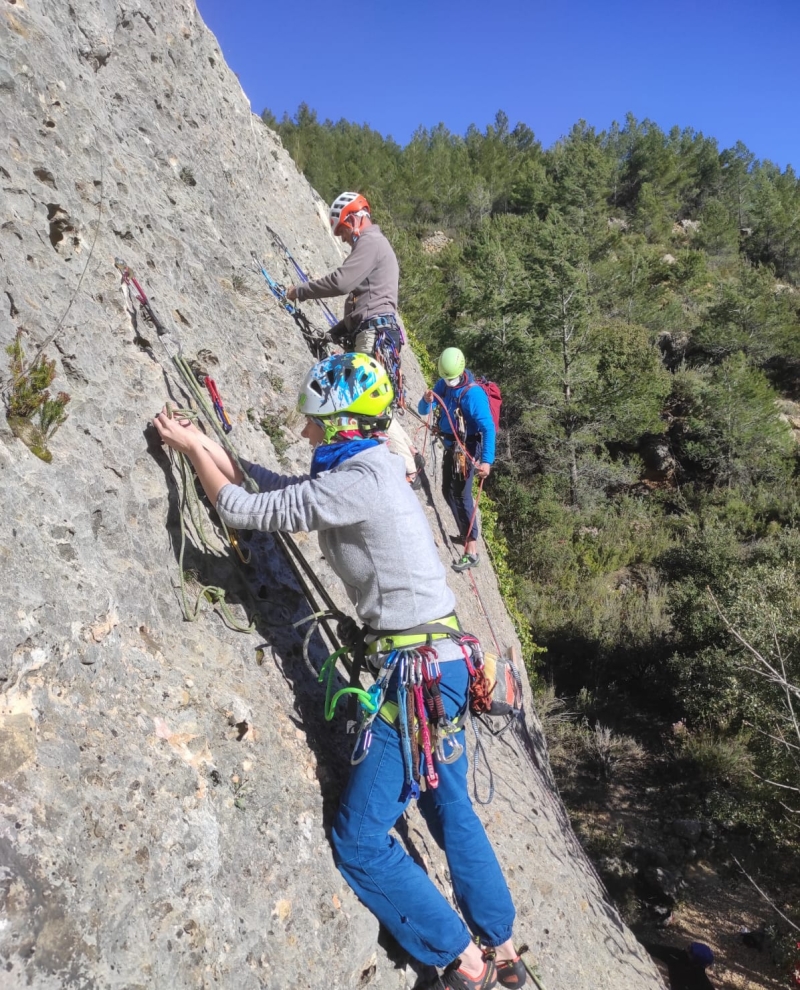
[{"x": 451, "y": 363}]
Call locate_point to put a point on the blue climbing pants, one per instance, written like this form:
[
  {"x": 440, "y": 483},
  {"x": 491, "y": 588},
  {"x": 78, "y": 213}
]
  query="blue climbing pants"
[
  {"x": 398, "y": 891},
  {"x": 457, "y": 491}
]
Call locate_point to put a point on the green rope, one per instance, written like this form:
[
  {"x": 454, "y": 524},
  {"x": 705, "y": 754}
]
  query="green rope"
[
  {"x": 328, "y": 669},
  {"x": 190, "y": 504}
]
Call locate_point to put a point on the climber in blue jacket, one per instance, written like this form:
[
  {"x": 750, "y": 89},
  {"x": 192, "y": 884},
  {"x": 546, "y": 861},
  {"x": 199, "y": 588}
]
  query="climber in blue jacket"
[{"x": 467, "y": 431}]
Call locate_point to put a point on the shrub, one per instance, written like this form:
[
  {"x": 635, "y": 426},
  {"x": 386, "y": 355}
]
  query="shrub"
[
  {"x": 608, "y": 754},
  {"x": 33, "y": 415}
]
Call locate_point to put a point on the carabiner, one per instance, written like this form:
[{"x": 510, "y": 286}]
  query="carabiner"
[
  {"x": 363, "y": 740},
  {"x": 455, "y": 752}
]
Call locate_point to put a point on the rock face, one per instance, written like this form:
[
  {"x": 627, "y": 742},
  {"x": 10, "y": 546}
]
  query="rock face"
[{"x": 165, "y": 785}]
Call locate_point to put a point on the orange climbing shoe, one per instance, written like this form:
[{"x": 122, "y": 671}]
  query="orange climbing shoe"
[
  {"x": 454, "y": 978},
  {"x": 511, "y": 972}
]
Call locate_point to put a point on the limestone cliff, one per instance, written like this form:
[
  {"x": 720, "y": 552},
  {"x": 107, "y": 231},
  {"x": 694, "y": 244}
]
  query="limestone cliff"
[{"x": 165, "y": 787}]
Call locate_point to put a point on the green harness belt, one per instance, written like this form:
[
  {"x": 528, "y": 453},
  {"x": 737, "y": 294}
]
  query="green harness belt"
[{"x": 406, "y": 639}]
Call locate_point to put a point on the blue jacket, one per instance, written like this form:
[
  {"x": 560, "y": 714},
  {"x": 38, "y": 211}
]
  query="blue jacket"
[{"x": 475, "y": 408}]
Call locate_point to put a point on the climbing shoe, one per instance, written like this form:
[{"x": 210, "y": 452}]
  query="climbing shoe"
[
  {"x": 419, "y": 461},
  {"x": 415, "y": 480},
  {"x": 511, "y": 972},
  {"x": 467, "y": 560},
  {"x": 454, "y": 978}
]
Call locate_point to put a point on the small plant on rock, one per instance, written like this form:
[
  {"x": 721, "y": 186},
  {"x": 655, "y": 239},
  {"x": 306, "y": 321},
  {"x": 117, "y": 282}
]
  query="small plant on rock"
[
  {"x": 273, "y": 427},
  {"x": 32, "y": 414}
]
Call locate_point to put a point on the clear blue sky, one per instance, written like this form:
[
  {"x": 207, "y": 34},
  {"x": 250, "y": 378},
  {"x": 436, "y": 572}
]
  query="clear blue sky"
[{"x": 728, "y": 68}]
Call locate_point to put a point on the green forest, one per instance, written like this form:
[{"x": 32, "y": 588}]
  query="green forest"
[{"x": 636, "y": 294}]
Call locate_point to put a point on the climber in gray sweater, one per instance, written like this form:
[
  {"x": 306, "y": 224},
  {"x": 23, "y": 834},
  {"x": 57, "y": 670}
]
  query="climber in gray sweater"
[
  {"x": 375, "y": 537},
  {"x": 369, "y": 278}
]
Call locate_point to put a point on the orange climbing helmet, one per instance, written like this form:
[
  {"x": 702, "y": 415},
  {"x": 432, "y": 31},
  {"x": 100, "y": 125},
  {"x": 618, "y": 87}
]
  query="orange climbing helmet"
[{"x": 346, "y": 205}]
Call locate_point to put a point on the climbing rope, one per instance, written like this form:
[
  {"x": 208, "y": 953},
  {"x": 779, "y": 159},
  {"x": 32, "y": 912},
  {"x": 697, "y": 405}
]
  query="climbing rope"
[{"x": 189, "y": 502}]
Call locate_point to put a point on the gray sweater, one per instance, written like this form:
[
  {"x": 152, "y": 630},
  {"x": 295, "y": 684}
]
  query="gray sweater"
[
  {"x": 372, "y": 531},
  {"x": 369, "y": 278}
]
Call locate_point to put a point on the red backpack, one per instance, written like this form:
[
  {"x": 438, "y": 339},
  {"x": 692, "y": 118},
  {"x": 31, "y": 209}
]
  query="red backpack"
[{"x": 493, "y": 394}]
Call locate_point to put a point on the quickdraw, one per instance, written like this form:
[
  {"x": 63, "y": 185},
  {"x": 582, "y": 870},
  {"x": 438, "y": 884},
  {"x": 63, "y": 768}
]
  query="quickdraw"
[
  {"x": 141, "y": 297},
  {"x": 216, "y": 401},
  {"x": 315, "y": 339},
  {"x": 278, "y": 241}
]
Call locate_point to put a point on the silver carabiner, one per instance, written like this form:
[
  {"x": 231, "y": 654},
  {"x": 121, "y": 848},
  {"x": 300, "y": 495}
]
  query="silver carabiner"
[
  {"x": 364, "y": 740},
  {"x": 455, "y": 752}
]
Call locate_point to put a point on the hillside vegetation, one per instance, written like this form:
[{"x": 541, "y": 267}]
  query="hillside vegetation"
[{"x": 634, "y": 293}]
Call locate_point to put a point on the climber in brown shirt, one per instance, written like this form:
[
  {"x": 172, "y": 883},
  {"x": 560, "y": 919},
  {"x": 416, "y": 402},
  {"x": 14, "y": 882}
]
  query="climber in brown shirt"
[{"x": 369, "y": 278}]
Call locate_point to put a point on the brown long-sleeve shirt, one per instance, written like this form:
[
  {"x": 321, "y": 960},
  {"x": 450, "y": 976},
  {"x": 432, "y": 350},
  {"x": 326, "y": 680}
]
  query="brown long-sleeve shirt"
[{"x": 369, "y": 278}]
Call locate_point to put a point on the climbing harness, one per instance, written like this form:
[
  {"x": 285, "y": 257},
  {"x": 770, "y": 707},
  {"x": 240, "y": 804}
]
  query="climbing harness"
[
  {"x": 278, "y": 241},
  {"x": 428, "y": 737},
  {"x": 314, "y": 338}
]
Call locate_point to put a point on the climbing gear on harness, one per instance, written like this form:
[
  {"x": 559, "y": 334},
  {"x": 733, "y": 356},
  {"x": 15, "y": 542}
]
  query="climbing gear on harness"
[
  {"x": 460, "y": 464},
  {"x": 451, "y": 363},
  {"x": 388, "y": 340},
  {"x": 314, "y": 338},
  {"x": 387, "y": 351},
  {"x": 455, "y": 978},
  {"x": 346, "y": 205},
  {"x": 346, "y": 383},
  {"x": 466, "y": 561},
  {"x": 390, "y": 324},
  {"x": 505, "y": 687}
]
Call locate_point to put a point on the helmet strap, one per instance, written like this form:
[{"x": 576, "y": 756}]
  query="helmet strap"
[
  {"x": 337, "y": 424},
  {"x": 365, "y": 425}
]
